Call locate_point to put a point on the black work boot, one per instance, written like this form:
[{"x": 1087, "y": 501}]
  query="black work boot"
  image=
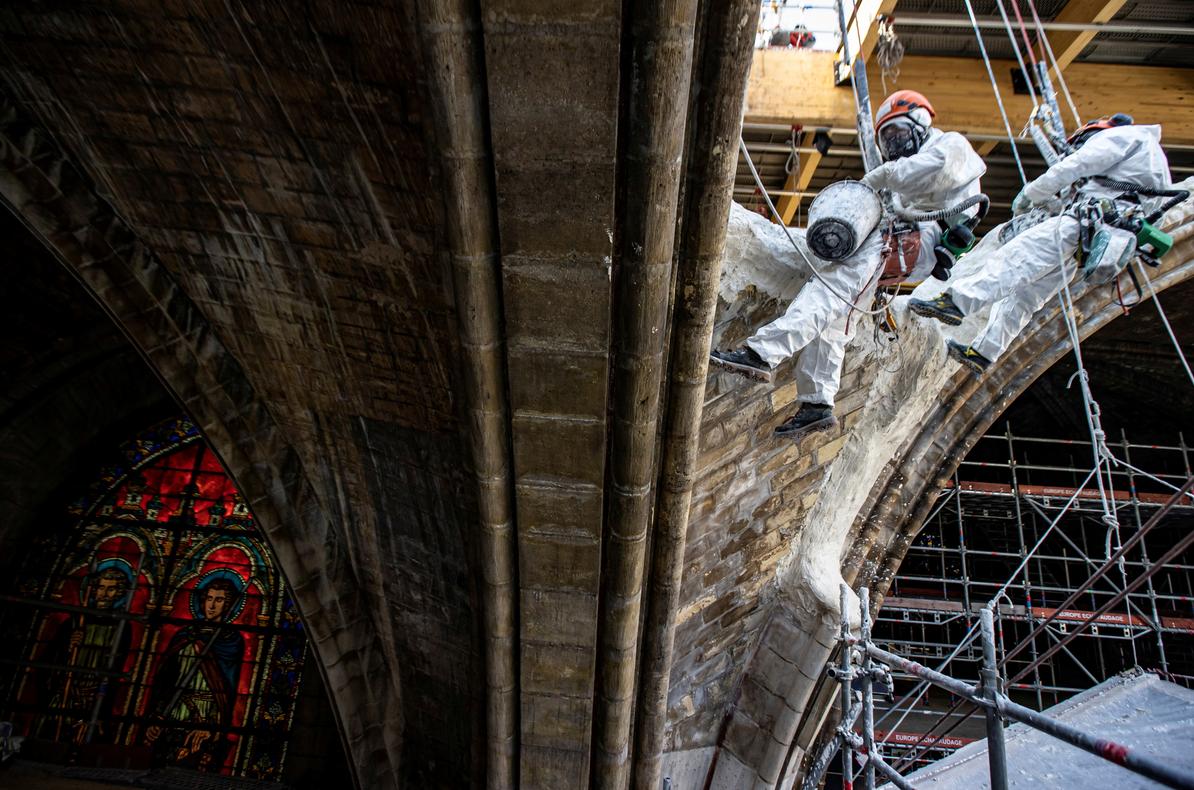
[
  {"x": 941, "y": 307},
  {"x": 743, "y": 361},
  {"x": 977, "y": 363},
  {"x": 809, "y": 418}
]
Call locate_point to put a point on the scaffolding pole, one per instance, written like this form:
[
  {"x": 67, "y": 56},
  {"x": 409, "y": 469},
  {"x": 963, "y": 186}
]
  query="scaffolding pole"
[{"x": 987, "y": 695}]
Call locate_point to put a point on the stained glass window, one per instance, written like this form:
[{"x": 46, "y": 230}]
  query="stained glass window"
[{"x": 156, "y": 622}]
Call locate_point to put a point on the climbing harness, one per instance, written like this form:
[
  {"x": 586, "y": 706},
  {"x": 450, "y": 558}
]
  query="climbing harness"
[{"x": 1112, "y": 232}]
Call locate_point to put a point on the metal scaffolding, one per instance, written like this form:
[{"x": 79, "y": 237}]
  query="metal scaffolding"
[
  {"x": 863, "y": 663},
  {"x": 987, "y": 524}
]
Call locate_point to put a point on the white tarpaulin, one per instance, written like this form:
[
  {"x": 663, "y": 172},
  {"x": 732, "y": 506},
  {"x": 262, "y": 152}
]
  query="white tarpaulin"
[{"x": 1138, "y": 710}]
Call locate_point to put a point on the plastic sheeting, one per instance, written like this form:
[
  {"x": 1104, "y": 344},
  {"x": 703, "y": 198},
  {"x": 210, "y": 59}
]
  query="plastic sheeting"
[{"x": 1139, "y": 710}]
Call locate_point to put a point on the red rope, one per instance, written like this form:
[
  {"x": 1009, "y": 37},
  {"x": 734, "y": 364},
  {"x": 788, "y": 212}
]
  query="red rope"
[
  {"x": 1040, "y": 35},
  {"x": 1024, "y": 32}
]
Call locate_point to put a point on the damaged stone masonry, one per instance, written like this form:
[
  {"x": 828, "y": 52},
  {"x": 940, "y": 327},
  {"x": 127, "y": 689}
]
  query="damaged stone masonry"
[{"x": 435, "y": 284}]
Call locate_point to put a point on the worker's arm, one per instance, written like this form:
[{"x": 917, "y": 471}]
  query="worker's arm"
[
  {"x": 941, "y": 167},
  {"x": 1096, "y": 157}
]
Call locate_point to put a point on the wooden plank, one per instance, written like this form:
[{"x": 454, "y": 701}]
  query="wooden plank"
[
  {"x": 796, "y": 87},
  {"x": 872, "y": 33},
  {"x": 798, "y": 180},
  {"x": 1068, "y": 45}
]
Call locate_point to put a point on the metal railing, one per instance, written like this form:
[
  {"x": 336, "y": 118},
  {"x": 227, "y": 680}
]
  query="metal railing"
[{"x": 863, "y": 661}]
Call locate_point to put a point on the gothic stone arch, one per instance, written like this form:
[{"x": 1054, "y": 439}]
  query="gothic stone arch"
[
  {"x": 41, "y": 185},
  {"x": 865, "y": 493}
]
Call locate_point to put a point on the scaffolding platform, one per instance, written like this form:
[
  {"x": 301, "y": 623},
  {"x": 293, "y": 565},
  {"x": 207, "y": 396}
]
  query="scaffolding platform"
[{"x": 1137, "y": 709}]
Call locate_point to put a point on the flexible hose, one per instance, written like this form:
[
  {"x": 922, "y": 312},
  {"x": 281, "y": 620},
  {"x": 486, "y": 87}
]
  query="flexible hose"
[
  {"x": 779, "y": 221},
  {"x": 945, "y": 213},
  {"x": 1175, "y": 196}
]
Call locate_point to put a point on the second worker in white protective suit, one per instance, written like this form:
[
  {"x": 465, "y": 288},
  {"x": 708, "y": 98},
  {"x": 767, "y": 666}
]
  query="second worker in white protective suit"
[
  {"x": 930, "y": 170},
  {"x": 1019, "y": 277}
]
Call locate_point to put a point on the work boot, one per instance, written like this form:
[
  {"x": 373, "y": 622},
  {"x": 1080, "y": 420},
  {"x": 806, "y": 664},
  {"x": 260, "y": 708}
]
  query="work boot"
[
  {"x": 809, "y": 418},
  {"x": 743, "y": 361},
  {"x": 977, "y": 363},
  {"x": 941, "y": 307}
]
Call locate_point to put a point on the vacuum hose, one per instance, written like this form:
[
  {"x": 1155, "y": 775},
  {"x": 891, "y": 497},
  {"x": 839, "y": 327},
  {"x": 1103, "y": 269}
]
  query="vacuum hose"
[
  {"x": 909, "y": 215},
  {"x": 1175, "y": 195}
]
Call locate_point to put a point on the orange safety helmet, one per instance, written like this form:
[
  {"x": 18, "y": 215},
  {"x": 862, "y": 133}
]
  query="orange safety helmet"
[
  {"x": 902, "y": 103},
  {"x": 1084, "y": 132}
]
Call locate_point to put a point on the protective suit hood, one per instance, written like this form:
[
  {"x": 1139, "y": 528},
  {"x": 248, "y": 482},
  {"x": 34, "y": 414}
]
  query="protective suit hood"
[
  {"x": 944, "y": 172},
  {"x": 1123, "y": 153}
]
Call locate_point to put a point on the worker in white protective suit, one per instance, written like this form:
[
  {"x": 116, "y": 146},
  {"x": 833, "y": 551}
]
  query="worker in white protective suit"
[
  {"x": 1019, "y": 277},
  {"x": 930, "y": 170}
]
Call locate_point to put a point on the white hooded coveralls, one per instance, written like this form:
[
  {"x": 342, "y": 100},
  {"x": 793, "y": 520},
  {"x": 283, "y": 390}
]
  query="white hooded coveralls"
[
  {"x": 944, "y": 172},
  {"x": 1024, "y": 273}
]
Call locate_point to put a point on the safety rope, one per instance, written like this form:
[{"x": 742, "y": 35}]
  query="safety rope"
[
  {"x": 1044, "y": 39},
  {"x": 1165, "y": 321},
  {"x": 1024, "y": 33},
  {"x": 792, "y": 166},
  {"x": 1093, "y": 414},
  {"x": 780, "y": 221},
  {"x": 982, "y": 48},
  {"x": 1011, "y": 35}
]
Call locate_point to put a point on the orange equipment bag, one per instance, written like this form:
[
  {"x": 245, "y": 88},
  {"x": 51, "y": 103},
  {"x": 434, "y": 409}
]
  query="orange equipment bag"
[{"x": 901, "y": 248}]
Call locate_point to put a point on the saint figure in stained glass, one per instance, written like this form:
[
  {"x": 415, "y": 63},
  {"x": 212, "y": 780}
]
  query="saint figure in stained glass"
[
  {"x": 154, "y": 620},
  {"x": 86, "y": 645},
  {"x": 195, "y": 686}
]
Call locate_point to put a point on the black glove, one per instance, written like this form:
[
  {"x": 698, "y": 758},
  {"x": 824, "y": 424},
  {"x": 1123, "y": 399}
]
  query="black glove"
[{"x": 945, "y": 262}]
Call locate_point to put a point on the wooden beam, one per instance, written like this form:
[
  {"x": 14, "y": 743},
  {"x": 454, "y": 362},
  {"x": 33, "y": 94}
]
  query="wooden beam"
[
  {"x": 987, "y": 147},
  {"x": 1068, "y": 45},
  {"x": 871, "y": 39},
  {"x": 864, "y": 27},
  {"x": 798, "y": 180},
  {"x": 796, "y": 87}
]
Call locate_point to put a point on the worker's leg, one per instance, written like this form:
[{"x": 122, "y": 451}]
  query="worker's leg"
[
  {"x": 1010, "y": 315},
  {"x": 817, "y": 307},
  {"x": 819, "y": 367},
  {"x": 1034, "y": 254},
  {"x": 819, "y": 371},
  {"x": 967, "y": 264}
]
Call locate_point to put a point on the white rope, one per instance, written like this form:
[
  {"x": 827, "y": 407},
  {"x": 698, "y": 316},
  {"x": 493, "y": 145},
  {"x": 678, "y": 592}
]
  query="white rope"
[
  {"x": 1065, "y": 89},
  {"x": 1098, "y": 437},
  {"x": 1011, "y": 34},
  {"x": 1121, "y": 462},
  {"x": 923, "y": 686},
  {"x": 982, "y": 48},
  {"x": 1165, "y": 320},
  {"x": 780, "y": 221}
]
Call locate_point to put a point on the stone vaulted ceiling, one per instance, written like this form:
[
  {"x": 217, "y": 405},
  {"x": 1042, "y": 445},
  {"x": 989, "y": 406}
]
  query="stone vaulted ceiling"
[{"x": 438, "y": 282}]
